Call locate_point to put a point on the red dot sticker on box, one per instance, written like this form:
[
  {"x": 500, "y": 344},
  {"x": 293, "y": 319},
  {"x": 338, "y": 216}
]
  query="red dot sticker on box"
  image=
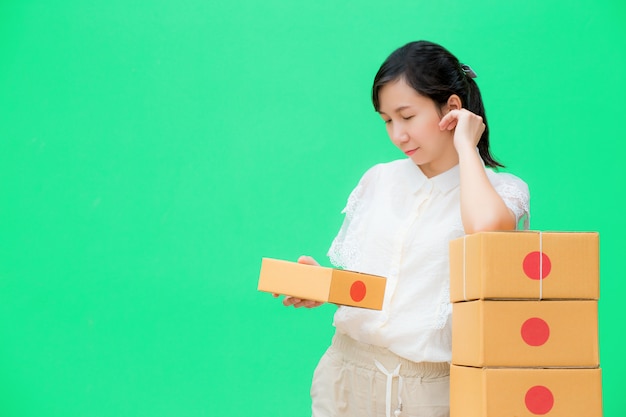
[
  {"x": 537, "y": 265},
  {"x": 357, "y": 291},
  {"x": 535, "y": 331},
  {"x": 539, "y": 400}
]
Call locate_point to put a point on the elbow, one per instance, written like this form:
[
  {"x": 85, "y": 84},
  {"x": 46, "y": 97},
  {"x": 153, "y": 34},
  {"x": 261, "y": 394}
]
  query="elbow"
[
  {"x": 491, "y": 224},
  {"x": 487, "y": 227}
]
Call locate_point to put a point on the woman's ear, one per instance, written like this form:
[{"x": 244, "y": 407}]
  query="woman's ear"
[{"x": 454, "y": 102}]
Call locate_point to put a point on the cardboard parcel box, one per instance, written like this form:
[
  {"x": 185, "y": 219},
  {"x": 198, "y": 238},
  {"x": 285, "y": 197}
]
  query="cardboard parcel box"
[
  {"x": 525, "y": 392},
  {"x": 525, "y": 333},
  {"x": 322, "y": 284},
  {"x": 524, "y": 265}
]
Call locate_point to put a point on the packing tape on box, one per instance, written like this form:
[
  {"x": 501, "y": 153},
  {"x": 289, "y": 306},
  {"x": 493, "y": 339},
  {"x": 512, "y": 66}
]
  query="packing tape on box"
[
  {"x": 464, "y": 262},
  {"x": 540, "y": 267}
]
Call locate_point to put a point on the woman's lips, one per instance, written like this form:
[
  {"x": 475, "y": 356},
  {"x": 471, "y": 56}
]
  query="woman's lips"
[{"x": 410, "y": 152}]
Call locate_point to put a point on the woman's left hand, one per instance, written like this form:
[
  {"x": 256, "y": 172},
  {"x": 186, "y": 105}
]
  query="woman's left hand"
[{"x": 468, "y": 127}]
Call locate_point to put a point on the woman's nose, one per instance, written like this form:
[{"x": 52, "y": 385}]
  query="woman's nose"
[{"x": 399, "y": 133}]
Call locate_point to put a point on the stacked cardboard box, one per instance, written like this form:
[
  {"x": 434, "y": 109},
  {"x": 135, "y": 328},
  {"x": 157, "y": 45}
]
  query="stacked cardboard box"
[{"x": 525, "y": 325}]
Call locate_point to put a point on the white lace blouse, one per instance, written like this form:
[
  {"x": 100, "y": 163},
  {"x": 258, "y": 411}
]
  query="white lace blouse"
[{"x": 398, "y": 224}]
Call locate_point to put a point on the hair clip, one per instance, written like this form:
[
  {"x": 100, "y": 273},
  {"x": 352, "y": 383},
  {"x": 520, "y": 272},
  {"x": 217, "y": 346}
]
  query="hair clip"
[{"x": 468, "y": 71}]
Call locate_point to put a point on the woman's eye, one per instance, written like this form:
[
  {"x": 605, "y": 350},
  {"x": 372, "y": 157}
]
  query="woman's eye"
[
  {"x": 407, "y": 117},
  {"x": 387, "y": 121}
]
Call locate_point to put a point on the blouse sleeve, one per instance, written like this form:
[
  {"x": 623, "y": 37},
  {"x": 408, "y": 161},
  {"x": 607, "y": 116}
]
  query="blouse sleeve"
[
  {"x": 344, "y": 251},
  {"x": 515, "y": 194}
]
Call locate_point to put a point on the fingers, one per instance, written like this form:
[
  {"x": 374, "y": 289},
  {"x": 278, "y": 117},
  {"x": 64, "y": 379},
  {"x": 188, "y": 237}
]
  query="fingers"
[
  {"x": 453, "y": 118},
  {"x": 312, "y": 304},
  {"x": 289, "y": 301},
  {"x": 299, "y": 302},
  {"x": 448, "y": 123},
  {"x": 307, "y": 260},
  {"x": 450, "y": 120},
  {"x": 468, "y": 127}
]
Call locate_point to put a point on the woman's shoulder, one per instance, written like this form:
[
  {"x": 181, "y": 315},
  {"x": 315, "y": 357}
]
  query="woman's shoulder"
[
  {"x": 513, "y": 190},
  {"x": 384, "y": 169},
  {"x": 497, "y": 178},
  {"x": 391, "y": 167}
]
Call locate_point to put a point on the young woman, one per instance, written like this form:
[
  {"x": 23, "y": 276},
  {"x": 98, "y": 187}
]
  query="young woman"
[{"x": 398, "y": 222}]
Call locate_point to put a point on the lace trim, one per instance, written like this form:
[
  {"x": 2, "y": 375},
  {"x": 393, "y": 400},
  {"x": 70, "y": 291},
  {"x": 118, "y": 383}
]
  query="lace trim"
[
  {"x": 344, "y": 250},
  {"x": 517, "y": 200},
  {"x": 445, "y": 308},
  {"x": 344, "y": 253}
]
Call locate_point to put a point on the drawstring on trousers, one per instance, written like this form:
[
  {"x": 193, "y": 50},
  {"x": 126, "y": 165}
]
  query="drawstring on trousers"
[{"x": 390, "y": 377}]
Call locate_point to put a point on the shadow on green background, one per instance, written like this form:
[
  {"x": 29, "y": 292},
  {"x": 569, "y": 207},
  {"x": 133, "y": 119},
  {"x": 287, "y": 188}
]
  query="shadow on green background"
[{"x": 150, "y": 155}]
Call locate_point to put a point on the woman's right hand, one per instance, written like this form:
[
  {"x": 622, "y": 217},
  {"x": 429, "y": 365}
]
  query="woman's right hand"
[{"x": 299, "y": 302}]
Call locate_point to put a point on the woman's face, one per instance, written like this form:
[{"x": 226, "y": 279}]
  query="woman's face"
[{"x": 412, "y": 122}]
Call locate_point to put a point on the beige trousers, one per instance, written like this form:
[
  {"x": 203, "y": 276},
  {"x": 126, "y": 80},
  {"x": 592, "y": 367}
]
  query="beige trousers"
[{"x": 354, "y": 379}]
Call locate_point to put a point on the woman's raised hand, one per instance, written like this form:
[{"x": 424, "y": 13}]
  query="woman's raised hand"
[
  {"x": 468, "y": 128},
  {"x": 299, "y": 302}
]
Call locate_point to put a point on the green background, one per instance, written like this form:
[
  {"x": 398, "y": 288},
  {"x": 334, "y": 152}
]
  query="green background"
[{"x": 151, "y": 153}]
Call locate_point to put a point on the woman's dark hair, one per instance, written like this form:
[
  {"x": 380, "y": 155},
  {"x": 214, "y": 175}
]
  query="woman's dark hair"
[{"x": 437, "y": 74}]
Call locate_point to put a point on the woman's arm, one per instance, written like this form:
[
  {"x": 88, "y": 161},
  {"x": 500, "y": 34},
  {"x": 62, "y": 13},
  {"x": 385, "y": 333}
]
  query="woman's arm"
[{"x": 482, "y": 208}]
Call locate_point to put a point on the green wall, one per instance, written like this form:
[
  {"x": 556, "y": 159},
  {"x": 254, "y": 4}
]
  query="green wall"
[{"x": 151, "y": 154}]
